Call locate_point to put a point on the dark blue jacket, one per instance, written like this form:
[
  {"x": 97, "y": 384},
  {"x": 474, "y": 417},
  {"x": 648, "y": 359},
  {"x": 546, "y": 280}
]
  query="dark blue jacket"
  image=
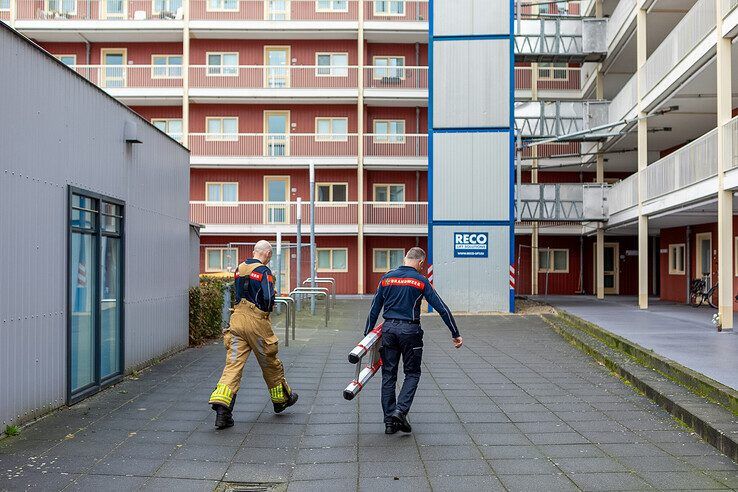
[
  {"x": 257, "y": 288},
  {"x": 400, "y": 292}
]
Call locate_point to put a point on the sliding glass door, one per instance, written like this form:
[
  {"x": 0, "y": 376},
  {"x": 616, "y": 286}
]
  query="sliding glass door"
[{"x": 95, "y": 324}]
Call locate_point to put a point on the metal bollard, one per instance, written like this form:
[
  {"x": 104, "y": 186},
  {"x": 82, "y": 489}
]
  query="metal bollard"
[
  {"x": 288, "y": 315},
  {"x": 315, "y": 291},
  {"x": 291, "y": 311},
  {"x": 325, "y": 280},
  {"x": 370, "y": 346}
]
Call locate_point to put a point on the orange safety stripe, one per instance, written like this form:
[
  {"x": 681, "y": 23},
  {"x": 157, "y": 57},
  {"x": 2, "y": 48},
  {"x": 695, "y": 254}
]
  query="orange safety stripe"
[{"x": 403, "y": 282}]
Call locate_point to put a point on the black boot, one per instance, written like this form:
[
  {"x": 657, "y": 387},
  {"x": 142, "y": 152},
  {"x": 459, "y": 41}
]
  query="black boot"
[
  {"x": 390, "y": 428},
  {"x": 401, "y": 422},
  {"x": 224, "y": 415},
  {"x": 281, "y": 407}
]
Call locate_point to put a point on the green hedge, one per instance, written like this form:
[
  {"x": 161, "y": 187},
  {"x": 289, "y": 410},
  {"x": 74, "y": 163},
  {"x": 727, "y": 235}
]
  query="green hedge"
[{"x": 206, "y": 308}]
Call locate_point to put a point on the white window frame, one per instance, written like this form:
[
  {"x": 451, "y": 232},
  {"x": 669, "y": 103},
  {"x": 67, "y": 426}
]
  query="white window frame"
[
  {"x": 389, "y": 5},
  {"x": 222, "y": 250},
  {"x": 387, "y": 252},
  {"x": 168, "y": 67},
  {"x": 8, "y": 9},
  {"x": 331, "y": 67},
  {"x": 222, "y": 9},
  {"x": 158, "y": 12},
  {"x": 673, "y": 248},
  {"x": 167, "y": 122},
  {"x": 208, "y": 66},
  {"x": 376, "y": 69},
  {"x": 388, "y": 203},
  {"x": 551, "y": 68},
  {"x": 550, "y": 267},
  {"x": 331, "y": 9},
  {"x": 331, "y": 269},
  {"x": 71, "y": 13},
  {"x": 331, "y": 137},
  {"x": 220, "y": 203},
  {"x": 209, "y": 137},
  {"x": 63, "y": 55},
  {"x": 388, "y": 138},
  {"x": 330, "y": 201}
]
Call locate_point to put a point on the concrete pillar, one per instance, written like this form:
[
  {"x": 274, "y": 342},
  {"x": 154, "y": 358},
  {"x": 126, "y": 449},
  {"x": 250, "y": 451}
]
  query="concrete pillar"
[
  {"x": 642, "y": 163},
  {"x": 600, "y": 274},
  {"x": 360, "y": 156},
  {"x": 725, "y": 197},
  {"x": 13, "y": 12},
  {"x": 534, "y": 179}
]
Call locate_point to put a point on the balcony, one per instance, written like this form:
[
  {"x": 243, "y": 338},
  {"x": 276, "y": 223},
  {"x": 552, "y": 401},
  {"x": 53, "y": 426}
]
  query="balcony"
[
  {"x": 396, "y": 86},
  {"x": 233, "y": 84},
  {"x": 560, "y": 40},
  {"x": 100, "y": 20},
  {"x": 573, "y": 202},
  {"x": 136, "y": 84},
  {"x": 393, "y": 151},
  {"x": 387, "y": 152},
  {"x": 555, "y": 83},
  {"x": 397, "y": 218}
]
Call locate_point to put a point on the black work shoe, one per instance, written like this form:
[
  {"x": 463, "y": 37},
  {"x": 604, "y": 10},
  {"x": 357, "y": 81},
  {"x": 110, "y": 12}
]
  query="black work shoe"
[
  {"x": 281, "y": 407},
  {"x": 390, "y": 428},
  {"x": 223, "y": 417},
  {"x": 401, "y": 422}
]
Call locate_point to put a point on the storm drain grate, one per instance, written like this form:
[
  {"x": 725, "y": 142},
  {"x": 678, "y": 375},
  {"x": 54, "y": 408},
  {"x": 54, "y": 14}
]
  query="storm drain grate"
[{"x": 251, "y": 487}]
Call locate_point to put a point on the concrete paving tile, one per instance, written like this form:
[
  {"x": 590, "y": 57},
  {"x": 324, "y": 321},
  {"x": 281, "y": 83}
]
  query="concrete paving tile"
[
  {"x": 319, "y": 471},
  {"x": 471, "y": 484},
  {"x": 528, "y": 466},
  {"x": 202, "y": 470},
  {"x": 609, "y": 481},
  {"x": 631, "y": 449},
  {"x": 403, "y": 484},
  {"x": 571, "y": 450},
  {"x": 126, "y": 466},
  {"x": 257, "y": 472},
  {"x": 656, "y": 463},
  {"x": 511, "y": 452},
  {"x": 265, "y": 455},
  {"x": 333, "y": 485},
  {"x": 388, "y": 453},
  {"x": 458, "y": 468},
  {"x": 178, "y": 485},
  {"x": 557, "y": 438},
  {"x": 589, "y": 465},
  {"x": 449, "y": 452},
  {"x": 680, "y": 480},
  {"x": 327, "y": 455},
  {"x": 339, "y": 440},
  {"x": 526, "y": 483},
  {"x": 371, "y": 469},
  {"x": 96, "y": 483},
  {"x": 205, "y": 452}
]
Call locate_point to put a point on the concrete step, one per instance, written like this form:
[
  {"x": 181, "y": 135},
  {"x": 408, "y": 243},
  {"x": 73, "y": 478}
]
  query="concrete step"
[{"x": 704, "y": 405}]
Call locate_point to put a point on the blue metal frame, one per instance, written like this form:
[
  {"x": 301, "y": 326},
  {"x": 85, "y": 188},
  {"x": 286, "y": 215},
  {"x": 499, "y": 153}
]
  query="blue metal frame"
[{"x": 510, "y": 222}]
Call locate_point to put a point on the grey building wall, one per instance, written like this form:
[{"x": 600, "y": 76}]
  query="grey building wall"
[{"x": 58, "y": 130}]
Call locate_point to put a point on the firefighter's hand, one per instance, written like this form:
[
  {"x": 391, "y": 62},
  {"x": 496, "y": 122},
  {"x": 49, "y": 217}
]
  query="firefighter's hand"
[{"x": 458, "y": 342}]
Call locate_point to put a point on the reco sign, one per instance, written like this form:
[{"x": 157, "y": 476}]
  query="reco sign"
[{"x": 471, "y": 244}]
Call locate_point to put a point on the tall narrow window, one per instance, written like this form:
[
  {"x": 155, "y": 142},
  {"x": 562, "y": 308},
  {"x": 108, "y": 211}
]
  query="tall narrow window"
[
  {"x": 676, "y": 259},
  {"x": 96, "y": 271}
]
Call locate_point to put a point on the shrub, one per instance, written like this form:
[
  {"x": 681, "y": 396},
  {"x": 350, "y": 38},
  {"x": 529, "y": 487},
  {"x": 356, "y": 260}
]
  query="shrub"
[{"x": 206, "y": 309}]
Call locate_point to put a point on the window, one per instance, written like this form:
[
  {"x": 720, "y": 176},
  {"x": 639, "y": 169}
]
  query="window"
[
  {"x": 331, "y": 64},
  {"x": 389, "y": 67},
  {"x": 389, "y": 193},
  {"x": 221, "y": 192},
  {"x": 553, "y": 260},
  {"x": 166, "y": 66},
  {"x": 676, "y": 259},
  {"x": 553, "y": 71},
  {"x": 389, "y": 7},
  {"x": 95, "y": 286},
  {"x": 63, "y": 7},
  {"x": 222, "y": 129},
  {"x": 387, "y": 259},
  {"x": 331, "y": 5},
  {"x": 171, "y": 7},
  {"x": 221, "y": 259},
  {"x": 4, "y": 4},
  {"x": 389, "y": 131},
  {"x": 332, "y": 259},
  {"x": 223, "y": 64},
  {"x": 331, "y": 129},
  {"x": 172, "y": 127},
  {"x": 68, "y": 60},
  {"x": 543, "y": 8},
  {"x": 331, "y": 192},
  {"x": 222, "y": 6}
]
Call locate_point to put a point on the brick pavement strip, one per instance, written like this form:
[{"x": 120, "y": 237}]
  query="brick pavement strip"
[{"x": 517, "y": 408}]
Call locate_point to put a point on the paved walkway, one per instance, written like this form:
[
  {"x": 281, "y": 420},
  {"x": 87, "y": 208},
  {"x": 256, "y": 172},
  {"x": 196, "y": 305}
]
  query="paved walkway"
[
  {"x": 677, "y": 331},
  {"x": 516, "y": 409}
]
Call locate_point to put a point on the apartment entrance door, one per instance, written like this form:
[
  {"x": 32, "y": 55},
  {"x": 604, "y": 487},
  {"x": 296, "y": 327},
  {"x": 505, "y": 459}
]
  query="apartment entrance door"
[
  {"x": 114, "y": 68},
  {"x": 277, "y": 141},
  {"x": 704, "y": 257},
  {"x": 612, "y": 268},
  {"x": 277, "y": 61},
  {"x": 277, "y": 192}
]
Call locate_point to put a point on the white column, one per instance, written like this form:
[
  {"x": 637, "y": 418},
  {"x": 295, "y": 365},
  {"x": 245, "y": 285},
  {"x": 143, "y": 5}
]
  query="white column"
[
  {"x": 534, "y": 266},
  {"x": 725, "y": 197},
  {"x": 360, "y": 156},
  {"x": 186, "y": 75},
  {"x": 642, "y": 163}
]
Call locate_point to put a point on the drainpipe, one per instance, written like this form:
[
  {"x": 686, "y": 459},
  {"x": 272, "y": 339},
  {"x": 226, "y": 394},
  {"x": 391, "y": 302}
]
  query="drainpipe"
[
  {"x": 417, "y": 197},
  {"x": 581, "y": 265},
  {"x": 687, "y": 263}
]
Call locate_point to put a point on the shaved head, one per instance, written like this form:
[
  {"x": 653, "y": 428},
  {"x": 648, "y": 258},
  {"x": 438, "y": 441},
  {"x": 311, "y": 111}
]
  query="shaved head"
[
  {"x": 263, "y": 251},
  {"x": 415, "y": 258}
]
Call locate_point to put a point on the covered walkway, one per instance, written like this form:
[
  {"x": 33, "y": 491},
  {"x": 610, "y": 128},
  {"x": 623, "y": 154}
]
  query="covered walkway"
[{"x": 679, "y": 332}]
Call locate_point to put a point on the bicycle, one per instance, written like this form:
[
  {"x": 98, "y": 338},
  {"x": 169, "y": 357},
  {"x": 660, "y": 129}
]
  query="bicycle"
[{"x": 699, "y": 293}]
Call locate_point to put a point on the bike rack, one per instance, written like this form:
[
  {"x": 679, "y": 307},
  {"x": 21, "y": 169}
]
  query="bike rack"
[
  {"x": 315, "y": 291},
  {"x": 325, "y": 280},
  {"x": 369, "y": 345},
  {"x": 290, "y": 316}
]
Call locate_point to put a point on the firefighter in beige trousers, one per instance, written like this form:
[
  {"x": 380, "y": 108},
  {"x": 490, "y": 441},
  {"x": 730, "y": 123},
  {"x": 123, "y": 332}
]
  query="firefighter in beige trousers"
[{"x": 250, "y": 330}]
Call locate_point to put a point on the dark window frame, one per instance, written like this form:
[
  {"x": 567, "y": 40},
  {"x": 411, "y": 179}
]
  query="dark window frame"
[{"x": 98, "y": 233}]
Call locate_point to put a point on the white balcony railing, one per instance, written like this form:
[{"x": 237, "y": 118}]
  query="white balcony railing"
[
  {"x": 732, "y": 127},
  {"x": 689, "y": 165},
  {"x": 396, "y": 11},
  {"x": 273, "y": 10},
  {"x": 728, "y": 6},
  {"x": 692, "y": 29},
  {"x": 549, "y": 79},
  {"x": 109, "y": 10},
  {"x": 132, "y": 76},
  {"x": 624, "y": 194},
  {"x": 621, "y": 13},
  {"x": 624, "y": 102},
  {"x": 273, "y": 145},
  {"x": 271, "y": 213},
  {"x": 410, "y": 145},
  {"x": 273, "y": 77},
  {"x": 396, "y": 213},
  {"x": 381, "y": 77}
]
